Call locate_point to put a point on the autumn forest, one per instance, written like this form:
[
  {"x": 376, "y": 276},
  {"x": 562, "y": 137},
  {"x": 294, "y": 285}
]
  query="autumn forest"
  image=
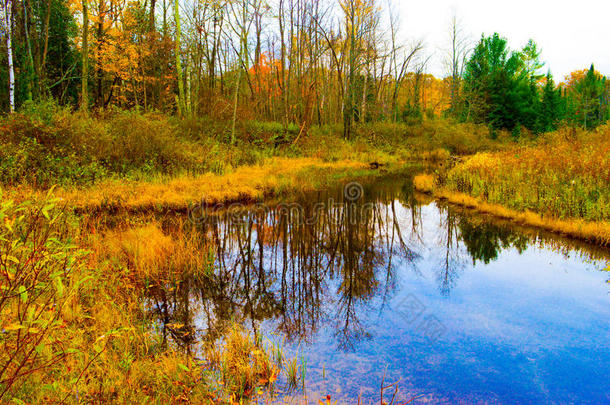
[{"x": 290, "y": 61}]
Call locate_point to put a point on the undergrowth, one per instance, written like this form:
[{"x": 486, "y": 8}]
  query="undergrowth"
[
  {"x": 44, "y": 144},
  {"x": 565, "y": 176},
  {"x": 74, "y": 327}
]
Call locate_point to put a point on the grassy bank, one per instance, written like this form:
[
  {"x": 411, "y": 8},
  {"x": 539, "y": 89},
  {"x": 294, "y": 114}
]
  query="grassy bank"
[
  {"x": 275, "y": 176},
  {"x": 561, "y": 185},
  {"x": 76, "y": 326},
  {"x": 121, "y": 160}
]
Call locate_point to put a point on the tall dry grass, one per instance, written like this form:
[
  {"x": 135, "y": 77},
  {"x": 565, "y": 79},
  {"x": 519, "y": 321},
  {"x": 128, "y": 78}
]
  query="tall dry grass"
[
  {"x": 45, "y": 144},
  {"x": 562, "y": 184},
  {"x": 562, "y": 177},
  {"x": 74, "y": 326}
]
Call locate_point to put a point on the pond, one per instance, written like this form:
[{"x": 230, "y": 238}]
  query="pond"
[{"x": 374, "y": 284}]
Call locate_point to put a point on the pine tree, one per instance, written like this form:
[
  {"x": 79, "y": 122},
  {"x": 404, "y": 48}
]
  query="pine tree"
[{"x": 549, "y": 112}]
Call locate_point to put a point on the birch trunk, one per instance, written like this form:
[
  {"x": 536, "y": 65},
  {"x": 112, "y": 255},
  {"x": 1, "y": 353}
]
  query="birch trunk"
[{"x": 9, "y": 46}]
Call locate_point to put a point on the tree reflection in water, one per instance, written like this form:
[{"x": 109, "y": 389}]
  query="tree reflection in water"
[{"x": 321, "y": 265}]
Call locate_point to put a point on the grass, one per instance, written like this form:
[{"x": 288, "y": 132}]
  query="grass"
[
  {"x": 249, "y": 183},
  {"x": 597, "y": 232},
  {"x": 44, "y": 145},
  {"x": 73, "y": 323},
  {"x": 560, "y": 184},
  {"x": 560, "y": 178},
  {"x": 424, "y": 183},
  {"x": 122, "y": 160},
  {"x": 243, "y": 363},
  {"x": 295, "y": 372}
]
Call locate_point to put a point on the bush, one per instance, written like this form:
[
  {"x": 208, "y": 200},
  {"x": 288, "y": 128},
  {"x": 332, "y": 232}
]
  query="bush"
[
  {"x": 425, "y": 183},
  {"x": 44, "y": 144},
  {"x": 37, "y": 287},
  {"x": 269, "y": 133}
]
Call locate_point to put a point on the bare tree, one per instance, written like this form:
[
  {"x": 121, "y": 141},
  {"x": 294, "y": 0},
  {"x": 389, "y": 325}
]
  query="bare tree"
[
  {"x": 455, "y": 60},
  {"x": 85, "y": 69},
  {"x": 182, "y": 108},
  {"x": 400, "y": 59}
]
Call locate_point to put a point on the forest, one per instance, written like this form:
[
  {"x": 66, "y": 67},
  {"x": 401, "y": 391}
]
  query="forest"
[
  {"x": 293, "y": 62},
  {"x": 117, "y": 116}
]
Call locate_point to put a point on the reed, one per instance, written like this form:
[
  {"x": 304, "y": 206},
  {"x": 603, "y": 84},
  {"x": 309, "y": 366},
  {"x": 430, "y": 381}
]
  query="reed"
[{"x": 597, "y": 232}]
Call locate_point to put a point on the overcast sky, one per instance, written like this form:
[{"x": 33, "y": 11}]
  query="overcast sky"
[{"x": 572, "y": 34}]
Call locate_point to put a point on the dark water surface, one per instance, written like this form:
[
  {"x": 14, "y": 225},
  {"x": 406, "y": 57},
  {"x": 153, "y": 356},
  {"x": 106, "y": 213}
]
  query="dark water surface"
[{"x": 453, "y": 306}]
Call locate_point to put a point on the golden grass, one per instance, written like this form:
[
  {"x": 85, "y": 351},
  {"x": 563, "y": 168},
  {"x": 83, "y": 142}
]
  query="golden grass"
[
  {"x": 114, "y": 353},
  {"x": 248, "y": 183},
  {"x": 597, "y": 232},
  {"x": 151, "y": 254},
  {"x": 565, "y": 176},
  {"x": 243, "y": 362},
  {"x": 425, "y": 183},
  {"x": 562, "y": 184}
]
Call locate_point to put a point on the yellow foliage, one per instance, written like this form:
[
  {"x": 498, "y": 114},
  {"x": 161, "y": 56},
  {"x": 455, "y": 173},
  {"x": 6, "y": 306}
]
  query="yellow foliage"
[{"x": 425, "y": 183}]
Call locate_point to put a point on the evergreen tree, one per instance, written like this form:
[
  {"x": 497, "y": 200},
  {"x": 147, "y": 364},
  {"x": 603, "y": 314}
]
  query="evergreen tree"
[
  {"x": 549, "y": 113},
  {"x": 591, "y": 99},
  {"x": 500, "y": 90}
]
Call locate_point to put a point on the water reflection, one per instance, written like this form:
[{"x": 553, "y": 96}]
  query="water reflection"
[
  {"x": 332, "y": 267},
  {"x": 324, "y": 261}
]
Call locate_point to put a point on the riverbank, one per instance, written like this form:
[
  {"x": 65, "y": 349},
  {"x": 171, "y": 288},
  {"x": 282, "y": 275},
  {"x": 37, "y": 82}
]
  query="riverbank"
[
  {"x": 273, "y": 177},
  {"x": 138, "y": 160},
  {"x": 79, "y": 320},
  {"x": 561, "y": 185}
]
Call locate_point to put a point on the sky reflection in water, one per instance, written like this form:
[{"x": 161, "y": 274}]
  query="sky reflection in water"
[{"x": 459, "y": 309}]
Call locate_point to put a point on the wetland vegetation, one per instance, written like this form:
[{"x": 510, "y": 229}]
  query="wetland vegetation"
[{"x": 244, "y": 201}]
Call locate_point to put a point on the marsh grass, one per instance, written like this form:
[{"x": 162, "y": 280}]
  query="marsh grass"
[
  {"x": 44, "y": 144},
  {"x": 293, "y": 372},
  {"x": 425, "y": 183},
  {"x": 275, "y": 177},
  {"x": 561, "y": 184},
  {"x": 74, "y": 327},
  {"x": 560, "y": 178},
  {"x": 244, "y": 365}
]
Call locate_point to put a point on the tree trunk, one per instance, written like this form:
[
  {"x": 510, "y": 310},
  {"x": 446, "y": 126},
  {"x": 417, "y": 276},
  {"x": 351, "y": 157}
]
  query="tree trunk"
[
  {"x": 181, "y": 96},
  {"x": 84, "y": 105},
  {"x": 43, "y": 61},
  {"x": 9, "y": 45},
  {"x": 151, "y": 22},
  {"x": 236, "y": 96},
  {"x": 30, "y": 58},
  {"x": 99, "y": 93}
]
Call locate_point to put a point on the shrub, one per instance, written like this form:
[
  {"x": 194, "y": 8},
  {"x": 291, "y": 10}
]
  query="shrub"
[
  {"x": 425, "y": 183},
  {"x": 37, "y": 286}
]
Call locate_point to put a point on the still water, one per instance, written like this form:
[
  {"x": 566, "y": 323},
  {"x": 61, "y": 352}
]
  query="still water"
[{"x": 375, "y": 283}]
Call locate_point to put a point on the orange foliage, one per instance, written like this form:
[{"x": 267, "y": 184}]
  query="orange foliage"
[{"x": 266, "y": 74}]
